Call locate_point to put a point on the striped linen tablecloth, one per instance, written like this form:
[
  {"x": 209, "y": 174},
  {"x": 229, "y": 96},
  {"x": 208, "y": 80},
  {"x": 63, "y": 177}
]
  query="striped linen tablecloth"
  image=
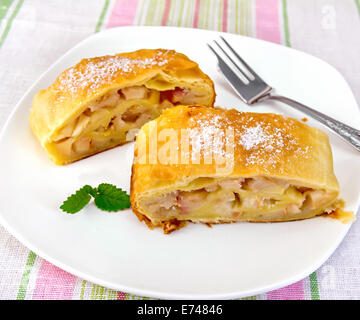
[{"x": 34, "y": 33}]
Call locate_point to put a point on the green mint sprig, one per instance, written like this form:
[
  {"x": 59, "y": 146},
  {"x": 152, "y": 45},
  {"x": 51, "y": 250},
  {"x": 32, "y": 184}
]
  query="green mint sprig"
[{"x": 106, "y": 196}]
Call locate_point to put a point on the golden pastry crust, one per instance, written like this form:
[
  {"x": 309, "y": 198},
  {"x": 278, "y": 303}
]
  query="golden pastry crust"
[
  {"x": 267, "y": 147},
  {"x": 92, "y": 79}
]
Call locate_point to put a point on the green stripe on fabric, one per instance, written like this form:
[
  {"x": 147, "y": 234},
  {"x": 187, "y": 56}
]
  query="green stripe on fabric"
[
  {"x": 98, "y": 292},
  {"x": 93, "y": 292},
  {"x": 220, "y": 15},
  {"x": 357, "y": 2},
  {"x": 187, "y": 12},
  {"x": 112, "y": 294},
  {"x": 237, "y": 16},
  {"x": 9, "y": 22},
  {"x": 200, "y": 15},
  {"x": 150, "y": 12},
  {"x": 102, "y": 293},
  {"x": 314, "y": 288},
  {"x": 247, "y": 19},
  {"x": 286, "y": 23},
  {"x": 172, "y": 13},
  {"x": 4, "y": 7},
  {"x": 25, "y": 276},
  {"x": 207, "y": 13},
  {"x": 159, "y": 12},
  {"x": 181, "y": 12},
  {"x": 141, "y": 11},
  {"x": 241, "y": 17},
  {"x": 190, "y": 13},
  {"x": 102, "y": 15},
  {"x": 82, "y": 291}
]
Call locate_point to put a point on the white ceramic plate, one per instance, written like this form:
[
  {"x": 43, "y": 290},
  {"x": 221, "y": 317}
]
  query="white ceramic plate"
[{"x": 115, "y": 249}]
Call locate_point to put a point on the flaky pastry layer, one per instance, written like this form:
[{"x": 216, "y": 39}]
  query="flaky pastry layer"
[
  {"x": 101, "y": 102},
  {"x": 281, "y": 170}
]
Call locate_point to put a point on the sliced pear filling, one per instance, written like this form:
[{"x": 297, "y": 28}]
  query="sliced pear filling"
[
  {"x": 138, "y": 92},
  {"x": 259, "y": 198},
  {"x": 115, "y": 117}
]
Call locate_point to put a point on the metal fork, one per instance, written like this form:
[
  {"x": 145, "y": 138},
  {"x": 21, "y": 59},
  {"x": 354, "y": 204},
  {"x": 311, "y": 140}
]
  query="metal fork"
[{"x": 252, "y": 89}]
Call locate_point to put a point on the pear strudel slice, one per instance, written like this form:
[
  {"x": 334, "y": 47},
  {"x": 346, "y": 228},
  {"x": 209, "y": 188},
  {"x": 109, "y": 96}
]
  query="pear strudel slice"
[
  {"x": 214, "y": 166},
  {"x": 101, "y": 102}
]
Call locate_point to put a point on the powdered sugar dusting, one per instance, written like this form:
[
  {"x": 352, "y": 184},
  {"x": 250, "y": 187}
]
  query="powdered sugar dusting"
[
  {"x": 261, "y": 139},
  {"x": 93, "y": 73},
  {"x": 209, "y": 139},
  {"x": 252, "y": 137}
]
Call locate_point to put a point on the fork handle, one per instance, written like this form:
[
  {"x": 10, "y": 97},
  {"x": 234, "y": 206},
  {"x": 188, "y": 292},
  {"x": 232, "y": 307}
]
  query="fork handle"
[{"x": 349, "y": 134}]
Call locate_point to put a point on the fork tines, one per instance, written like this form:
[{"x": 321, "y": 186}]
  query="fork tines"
[{"x": 239, "y": 74}]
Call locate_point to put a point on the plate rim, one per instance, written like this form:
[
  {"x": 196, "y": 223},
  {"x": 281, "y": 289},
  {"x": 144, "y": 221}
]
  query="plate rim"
[{"x": 163, "y": 294}]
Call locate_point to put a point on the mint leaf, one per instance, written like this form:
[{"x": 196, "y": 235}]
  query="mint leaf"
[
  {"x": 111, "y": 198},
  {"x": 107, "y": 197},
  {"x": 90, "y": 190},
  {"x": 78, "y": 200}
]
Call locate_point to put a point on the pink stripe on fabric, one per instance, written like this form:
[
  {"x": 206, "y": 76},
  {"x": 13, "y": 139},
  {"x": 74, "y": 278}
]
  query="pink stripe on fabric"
[
  {"x": 166, "y": 13},
  {"x": 294, "y": 291},
  {"x": 196, "y": 15},
  {"x": 123, "y": 13},
  {"x": 121, "y": 295},
  {"x": 267, "y": 20},
  {"x": 53, "y": 283},
  {"x": 224, "y": 19}
]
